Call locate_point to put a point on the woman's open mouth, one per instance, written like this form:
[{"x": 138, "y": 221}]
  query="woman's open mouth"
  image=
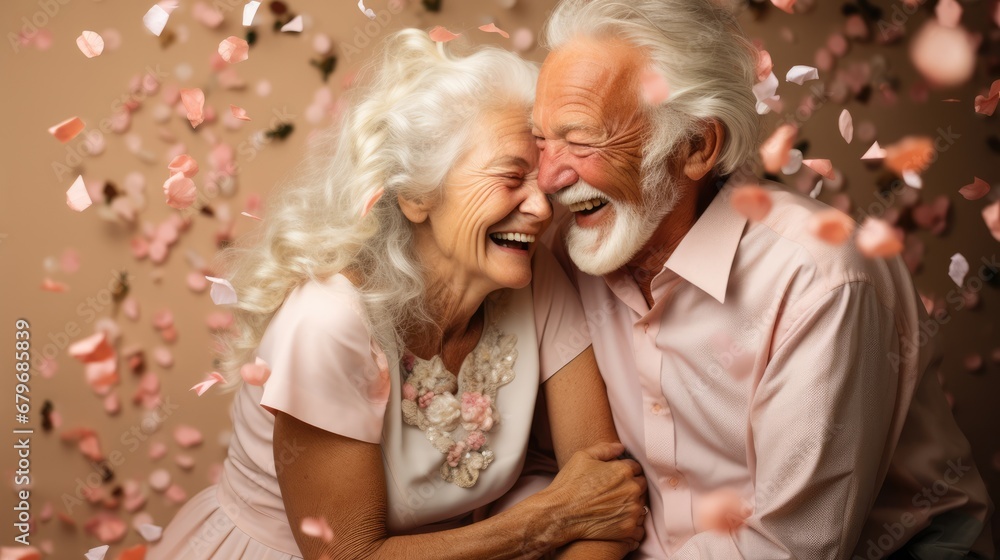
[{"x": 513, "y": 241}]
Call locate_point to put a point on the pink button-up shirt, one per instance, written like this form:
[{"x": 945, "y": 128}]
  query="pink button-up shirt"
[{"x": 795, "y": 374}]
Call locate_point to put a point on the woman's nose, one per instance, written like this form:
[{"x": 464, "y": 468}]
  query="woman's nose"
[{"x": 535, "y": 202}]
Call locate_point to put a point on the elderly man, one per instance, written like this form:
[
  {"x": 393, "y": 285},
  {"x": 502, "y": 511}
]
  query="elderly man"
[{"x": 776, "y": 389}]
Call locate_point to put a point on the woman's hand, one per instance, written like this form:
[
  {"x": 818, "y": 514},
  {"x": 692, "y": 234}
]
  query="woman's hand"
[{"x": 597, "y": 497}]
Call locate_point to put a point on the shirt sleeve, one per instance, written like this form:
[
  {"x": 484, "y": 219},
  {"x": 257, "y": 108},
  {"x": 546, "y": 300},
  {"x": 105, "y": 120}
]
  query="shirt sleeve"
[
  {"x": 560, "y": 323},
  {"x": 818, "y": 425},
  {"x": 325, "y": 368}
]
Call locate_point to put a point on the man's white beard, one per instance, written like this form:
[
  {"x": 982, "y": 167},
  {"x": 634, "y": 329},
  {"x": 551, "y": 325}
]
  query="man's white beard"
[{"x": 604, "y": 249}]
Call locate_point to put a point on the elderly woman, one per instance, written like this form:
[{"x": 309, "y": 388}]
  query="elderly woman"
[{"x": 407, "y": 317}]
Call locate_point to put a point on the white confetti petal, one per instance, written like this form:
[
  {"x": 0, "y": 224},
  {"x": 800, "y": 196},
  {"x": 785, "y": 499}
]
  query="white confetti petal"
[
  {"x": 875, "y": 152},
  {"x": 156, "y": 19},
  {"x": 817, "y": 189},
  {"x": 800, "y": 74},
  {"x": 958, "y": 268},
  {"x": 151, "y": 533},
  {"x": 846, "y": 125},
  {"x": 249, "y": 11},
  {"x": 222, "y": 292},
  {"x": 293, "y": 26},
  {"x": 77, "y": 197},
  {"x": 367, "y": 11},
  {"x": 794, "y": 162},
  {"x": 97, "y": 553},
  {"x": 912, "y": 178}
]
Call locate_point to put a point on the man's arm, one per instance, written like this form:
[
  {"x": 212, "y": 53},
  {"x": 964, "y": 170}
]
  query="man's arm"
[{"x": 818, "y": 423}]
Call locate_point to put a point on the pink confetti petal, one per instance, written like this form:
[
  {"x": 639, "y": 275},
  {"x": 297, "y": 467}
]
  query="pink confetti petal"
[
  {"x": 492, "y": 28},
  {"x": 911, "y": 153},
  {"x": 987, "y": 105},
  {"x": 222, "y": 292},
  {"x": 317, "y": 527},
  {"x": 239, "y": 112},
  {"x": 948, "y": 12},
  {"x": 187, "y": 436},
  {"x": 151, "y": 533},
  {"x": 208, "y": 16},
  {"x": 958, "y": 269},
  {"x": 784, "y": 5},
  {"x": 846, "y": 123},
  {"x": 106, "y": 527},
  {"x": 369, "y": 13},
  {"x": 991, "y": 216},
  {"x": 249, "y": 215},
  {"x": 877, "y": 239},
  {"x": 194, "y": 102},
  {"x": 978, "y": 189},
  {"x": 441, "y": 35},
  {"x": 184, "y": 164},
  {"x": 721, "y": 511},
  {"x": 775, "y": 151},
  {"x": 257, "y": 373},
  {"x": 21, "y": 552},
  {"x": 91, "y": 44},
  {"x": 77, "y": 197},
  {"x": 875, "y": 152},
  {"x": 232, "y": 49},
  {"x": 821, "y": 166},
  {"x": 654, "y": 87},
  {"x": 945, "y": 56},
  {"x": 751, "y": 201},
  {"x": 764, "y": 65},
  {"x": 212, "y": 379},
  {"x": 293, "y": 26},
  {"x": 831, "y": 226},
  {"x": 175, "y": 494},
  {"x": 50, "y": 285},
  {"x": 180, "y": 191},
  {"x": 801, "y": 74},
  {"x": 372, "y": 201},
  {"x": 67, "y": 130}
]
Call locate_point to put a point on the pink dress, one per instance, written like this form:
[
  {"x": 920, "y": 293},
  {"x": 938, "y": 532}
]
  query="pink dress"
[{"x": 324, "y": 371}]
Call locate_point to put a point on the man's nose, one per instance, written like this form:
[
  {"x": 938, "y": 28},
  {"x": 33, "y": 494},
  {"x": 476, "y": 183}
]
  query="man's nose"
[{"x": 554, "y": 173}]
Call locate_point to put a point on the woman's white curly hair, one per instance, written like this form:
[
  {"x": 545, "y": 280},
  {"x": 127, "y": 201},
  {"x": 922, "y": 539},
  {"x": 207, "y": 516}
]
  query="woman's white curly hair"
[{"x": 402, "y": 132}]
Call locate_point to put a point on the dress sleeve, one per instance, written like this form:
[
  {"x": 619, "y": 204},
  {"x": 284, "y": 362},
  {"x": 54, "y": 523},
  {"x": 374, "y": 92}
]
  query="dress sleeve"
[
  {"x": 560, "y": 323},
  {"x": 325, "y": 367}
]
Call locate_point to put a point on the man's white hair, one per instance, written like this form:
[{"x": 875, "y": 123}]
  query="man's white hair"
[{"x": 699, "y": 48}]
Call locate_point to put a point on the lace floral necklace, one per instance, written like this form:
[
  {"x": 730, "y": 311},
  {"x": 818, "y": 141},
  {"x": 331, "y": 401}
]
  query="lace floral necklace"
[{"x": 457, "y": 412}]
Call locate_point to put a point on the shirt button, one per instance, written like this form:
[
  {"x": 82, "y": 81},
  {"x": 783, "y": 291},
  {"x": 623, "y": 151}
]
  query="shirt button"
[
  {"x": 673, "y": 481},
  {"x": 656, "y": 408}
]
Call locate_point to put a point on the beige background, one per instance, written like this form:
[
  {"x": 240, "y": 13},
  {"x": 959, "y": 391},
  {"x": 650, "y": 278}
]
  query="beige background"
[{"x": 42, "y": 88}]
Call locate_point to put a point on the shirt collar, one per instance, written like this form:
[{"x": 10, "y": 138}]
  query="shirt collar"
[{"x": 705, "y": 255}]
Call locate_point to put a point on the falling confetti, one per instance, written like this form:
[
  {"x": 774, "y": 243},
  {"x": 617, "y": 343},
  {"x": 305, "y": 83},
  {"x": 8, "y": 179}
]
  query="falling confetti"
[
  {"x": 801, "y": 74},
  {"x": 775, "y": 151},
  {"x": 255, "y": 374},
  {"x": 846, "y": 124},
  {"x": 249, "y": 11},
  {"x": 875, "y": 152},
  {"x": 654, "y": 87},
  {"x": 978, "y": 189},
  {"x": 232, "y": 49},
  {"x": 784, "y": 5},
  {"x": 372, "y": 201},
  {"x": 821, "y": 166},
  {"x": 369, "y": 13},
  {"x": 77, "y": 197},
  {"x": 210, "y": 380},
  {"x": 441, "y": 35},
  {"x": 751, "y": 201},
  {"x": 958, "y": 268},
  {"x": 492, "y": 28},
  {"x": 877, "y": 239},
  {"x": 222, "y": 292},
  {"x": 194, "y": 102},
  {"x": 317, "y": 527},
  {"x": 293, "y": 26},
  {"x": 832, "y": 226},
  {"x": 156, "y": 19},
  {"x": 67, "y": 130},
  {"x": 91, "y": 44}
]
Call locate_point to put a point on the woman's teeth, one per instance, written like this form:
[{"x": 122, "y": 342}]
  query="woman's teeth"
[
  {"x": 591, "y": 204},
  {"x": 513, "y": 240}
]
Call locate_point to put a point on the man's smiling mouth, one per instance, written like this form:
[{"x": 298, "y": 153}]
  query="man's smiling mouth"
[{"x": 587, "y": 207}]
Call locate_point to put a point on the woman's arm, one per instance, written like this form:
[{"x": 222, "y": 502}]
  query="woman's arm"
[
  {"x": 341, "y": 480},
  {"x": 580, "y": 416}
]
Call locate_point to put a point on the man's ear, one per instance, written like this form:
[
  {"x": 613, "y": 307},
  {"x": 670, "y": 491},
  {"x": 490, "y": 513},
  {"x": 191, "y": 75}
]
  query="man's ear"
[
  {"x": 414, "y": 210},
  {"x": 704, "y": 150}
]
